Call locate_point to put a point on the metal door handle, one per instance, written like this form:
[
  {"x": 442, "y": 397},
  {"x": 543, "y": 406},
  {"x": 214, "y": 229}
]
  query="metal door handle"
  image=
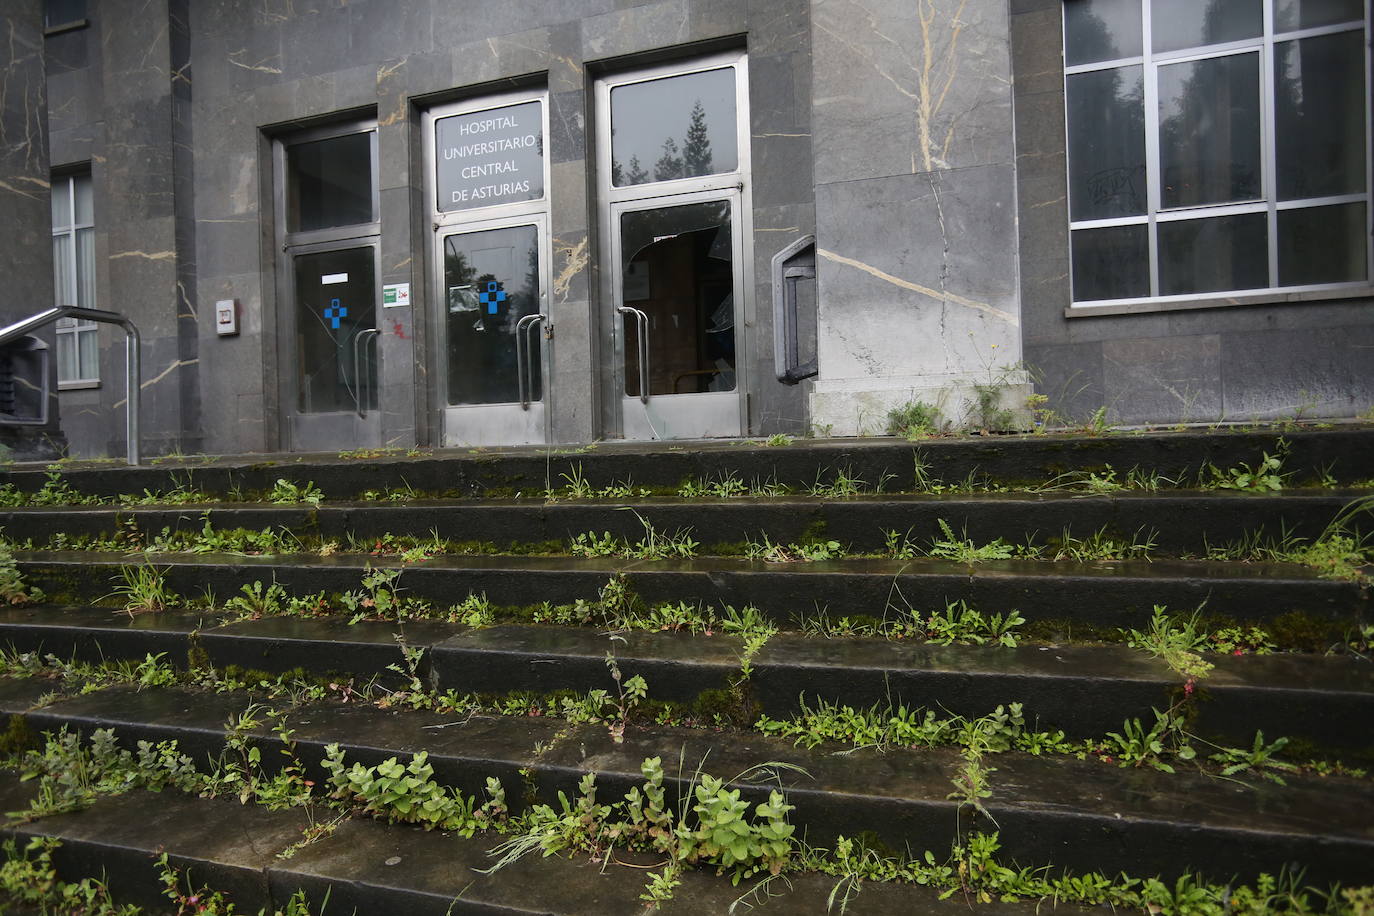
[
  {"x": 364, "y": 377},
  {"x": 643, "y": 321},
  {"x": 524, "y": 366}
]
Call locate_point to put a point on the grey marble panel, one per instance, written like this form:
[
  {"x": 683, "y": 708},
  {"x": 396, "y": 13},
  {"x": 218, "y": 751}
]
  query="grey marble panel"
[
  {"x": 779, "y": 26},
  {"x": 500, "y": 57},
  {"x": 136, "y": 62},
  {"x": 398, "y": 265},
  {"x": 570, "y": 272},
  {"x": 773, "y": 101},
  {"x": 76, "y": 145},
  {"x": 1036, "y": 51},
  {"x": 568, "y": 126},
  {"x": 1317, "y": 372},
  {"x": 566, "y": 72},
  {"x": 228, "y": 245},
  {"x": 896, "y": 92},
  {"x": 714, "y": 18},
  {"x": 1160, "y": 379},
  {"x": 382, "y": 29},
  {"x": 937, "y": 295},
  {"x": 568, "y": 189},
  {"x": 67, "y": 51},
  {"x": 660, "y": 24},
  {"x": 576, "y": 361},
  {"x": 782, "y": 169},
  {"x": 1070, "y": 375}
]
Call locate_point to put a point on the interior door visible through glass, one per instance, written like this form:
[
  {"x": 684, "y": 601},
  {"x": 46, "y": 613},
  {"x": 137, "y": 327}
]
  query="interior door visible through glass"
[
  {"x": 679, "y": 298},
  {"x": 491, "y": 282},
  {"x": 336, "y": 312}
]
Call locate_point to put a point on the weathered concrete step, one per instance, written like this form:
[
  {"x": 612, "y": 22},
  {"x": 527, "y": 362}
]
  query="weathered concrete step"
[
  {"x": 367, "y": 867},
  {"x": 1084, "y": 690},
  {"x": 1347, "y": 453},
  {"x": 1100, "y": 594},
  {"x": 1079, "y": 815},
  {"x": 1173, "y": 522}
]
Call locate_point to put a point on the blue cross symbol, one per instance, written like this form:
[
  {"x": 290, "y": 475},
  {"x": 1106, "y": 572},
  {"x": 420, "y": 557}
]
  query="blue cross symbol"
[
  {"x": 491, "y": 296},
  {"x": 333, "y": 311}
]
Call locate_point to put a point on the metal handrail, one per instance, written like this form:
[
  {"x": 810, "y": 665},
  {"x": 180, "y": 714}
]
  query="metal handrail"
[
  {"x": 360, "y": 372},
  {"x": 133, "y": 380},
  {"x": 642, "y": 321},
  {"x": 524, "y": 365}
]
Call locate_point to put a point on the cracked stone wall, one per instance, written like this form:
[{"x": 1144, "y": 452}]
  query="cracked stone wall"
[
  {"x": 915, "y": 208},
  {"x": 1277, "y": 357}
]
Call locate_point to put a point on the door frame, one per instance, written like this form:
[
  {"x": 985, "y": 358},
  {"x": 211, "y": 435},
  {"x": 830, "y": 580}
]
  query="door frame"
[
  {"x": 476, "y": 219},
  {"x": 611, "y": 201},
  {"x": 500, "y": 417},
  {"x": 364, "y": 431}
]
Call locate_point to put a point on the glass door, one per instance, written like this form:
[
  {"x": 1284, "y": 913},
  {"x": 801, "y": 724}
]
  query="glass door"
[
  {"x": 488, "y": 192},
  {"x": 673, "y": 166},
  {"x": 678, "y": 272},
  {"x": 328, "y": 288},
  {"x": 494, "y": 321}
]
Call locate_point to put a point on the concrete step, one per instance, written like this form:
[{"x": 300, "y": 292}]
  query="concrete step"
[
  {"x": 1101, "y": 594},
  {"x": 1174, "y": 522},
  {"x": 1079, "y": 815},
  {"x": 1345, "y": 453},
  {"x": 368, "y": 867},
  {"x": 1086, "y": 691}
]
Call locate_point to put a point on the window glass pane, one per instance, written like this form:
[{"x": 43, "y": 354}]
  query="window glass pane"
[
  {"x": 1112, "y": 263},
  {"x": 676, "y": 127},
  {"x": 67, "y": 368},
  {"x": 1319, "y": 115},
  {"x": 85, "y": 268},
  {"x": 61, "y": 202},
  {"x": 1106, "y": 124},
  {"x": 1209, "y": 131},
  {"x": 1101, "y": 30},
  {"x": 1178, "y": 24},
  {"x": 330, "y": 182},
  {"x": 1322, "y": 245},
  {"x": 64, "y": 293},
  {"x": 336, "y": 299},
  {"x": 88, "y": 352},
  {"x": 1307, "y": 14},
  {"x": 678, "y": 270},
  {"x": 85, "y": 205},
  {"x": 1211, "y": 255},
  {"x": 61, "y": 12},
  {"x": 491, "y": 281},
  {"x": 490, "y": 157}
]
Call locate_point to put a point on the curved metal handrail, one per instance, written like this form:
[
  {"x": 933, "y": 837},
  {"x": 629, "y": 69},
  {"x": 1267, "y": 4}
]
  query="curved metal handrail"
[{"x": 133, "y": 380}]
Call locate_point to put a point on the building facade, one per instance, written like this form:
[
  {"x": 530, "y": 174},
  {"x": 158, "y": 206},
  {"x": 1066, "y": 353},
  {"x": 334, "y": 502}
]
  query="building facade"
[{"x": 347, "y": 224}]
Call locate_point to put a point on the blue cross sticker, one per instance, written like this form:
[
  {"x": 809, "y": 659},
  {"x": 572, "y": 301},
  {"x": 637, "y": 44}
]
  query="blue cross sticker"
[
  {"x": 491, "y": 296},
  {"x": 333, "y": 311}
]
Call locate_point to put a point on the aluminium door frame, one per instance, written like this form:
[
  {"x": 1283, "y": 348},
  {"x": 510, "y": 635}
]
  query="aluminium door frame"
[
  {"x": 291, "y": 244},
  {"x": 475, "y": 219},
  {"x": 609, "y": 324}
]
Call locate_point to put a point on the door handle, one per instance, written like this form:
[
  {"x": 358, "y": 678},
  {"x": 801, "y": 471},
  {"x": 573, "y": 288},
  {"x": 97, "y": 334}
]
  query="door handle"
[
  {"x": 364, "y": 377},
  {"x": 642, "y": 320},
  {"x": 524, "y": 365}
]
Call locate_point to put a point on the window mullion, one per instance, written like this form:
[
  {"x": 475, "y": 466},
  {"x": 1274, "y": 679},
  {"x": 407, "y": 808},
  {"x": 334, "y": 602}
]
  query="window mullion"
[
  {"x": 1269, "y": 182},
  {"x": 1152, "y": 177}
]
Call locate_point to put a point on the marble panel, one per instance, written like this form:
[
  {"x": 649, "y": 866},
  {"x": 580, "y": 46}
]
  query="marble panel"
[
  {"x": 1317, "y": 372},
  {"x": 1071, "y": 376},
  {"x": 782, "y": 169},
  {"x": 773, "y": 102},
  {"x": 779, "y": 26},
  {"x": 897, "y": 92},
  {"x": 566, "y": 72},
  {"x": 1162, "y": 379},
  {"x": 383, "y": 29},
  {"x": 228, "y": 245},
  {"x": 940, "y": 296},
  {"x": 717, "y": 18},
  {"x": 632, "y": 30},
  {"x": 568, "y": 126},
  {"x": 1037, "y": 46}
]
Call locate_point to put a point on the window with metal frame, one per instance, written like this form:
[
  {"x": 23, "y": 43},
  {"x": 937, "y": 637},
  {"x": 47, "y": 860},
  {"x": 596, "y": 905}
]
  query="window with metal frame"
[
  {"x": 73, "y": 261},
  {"x": 1216, "y": 147}
]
